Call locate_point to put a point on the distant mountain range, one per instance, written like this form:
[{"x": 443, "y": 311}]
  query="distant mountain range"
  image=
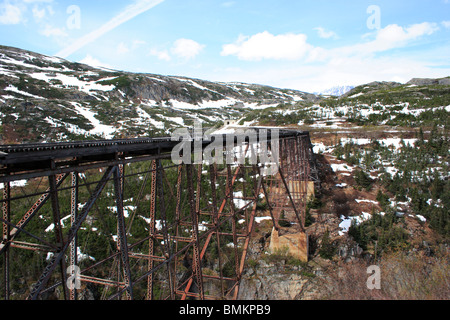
[{"x": 336, "y": 91}]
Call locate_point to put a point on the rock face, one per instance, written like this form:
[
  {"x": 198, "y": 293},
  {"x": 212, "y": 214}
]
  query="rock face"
[
  {"x": 427, "y": 82},
  {"x": 278, "y": 281},
  {"x": 295, "y": 243},
  {"x": 273, "y": 287},
  {"x": 279, "y": 275}
]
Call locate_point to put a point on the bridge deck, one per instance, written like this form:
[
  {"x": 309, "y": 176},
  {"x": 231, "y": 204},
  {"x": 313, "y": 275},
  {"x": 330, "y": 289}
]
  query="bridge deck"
[{"x": 41, "y": 157}]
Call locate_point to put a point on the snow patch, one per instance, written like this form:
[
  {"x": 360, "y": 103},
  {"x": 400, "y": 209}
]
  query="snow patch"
[
  {"x": 347, "y": 222},
  {"x": 99, "y": 129},
  {"x": 340, "y": 167}
]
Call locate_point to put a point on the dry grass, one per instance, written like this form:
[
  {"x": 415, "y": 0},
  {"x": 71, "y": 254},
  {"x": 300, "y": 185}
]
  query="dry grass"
[{"x": 403, "y": 277}]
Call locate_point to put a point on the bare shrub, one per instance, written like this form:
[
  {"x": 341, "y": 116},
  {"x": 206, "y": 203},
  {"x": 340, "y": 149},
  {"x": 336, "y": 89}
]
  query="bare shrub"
[
  {"x": 341, "y": 206},
  {"x": 404, "y": 276},
  {"x": 415, "y": 277}
]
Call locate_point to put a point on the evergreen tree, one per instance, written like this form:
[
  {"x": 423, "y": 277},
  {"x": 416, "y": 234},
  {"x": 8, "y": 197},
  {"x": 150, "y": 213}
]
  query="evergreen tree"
[
  {"x": 327, "y": 249},
  {"x": 362, "y": 179}
]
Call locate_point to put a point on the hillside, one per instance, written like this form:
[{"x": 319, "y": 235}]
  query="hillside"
[{"x": 50, "y": 99}]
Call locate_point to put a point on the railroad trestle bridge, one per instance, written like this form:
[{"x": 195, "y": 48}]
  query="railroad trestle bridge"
[{"x": 123, "y": 220}]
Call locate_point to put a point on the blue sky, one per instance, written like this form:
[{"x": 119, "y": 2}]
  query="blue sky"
[{"x": 304, "y": 45}]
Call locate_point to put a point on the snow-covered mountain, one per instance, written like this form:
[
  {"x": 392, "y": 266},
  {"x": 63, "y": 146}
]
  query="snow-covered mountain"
[
  {"x": 46, "y": 98},
  {"x": 336, "y": 91}
]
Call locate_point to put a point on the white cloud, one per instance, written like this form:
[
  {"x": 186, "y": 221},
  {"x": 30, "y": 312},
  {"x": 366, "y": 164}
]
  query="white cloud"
[
  {"x": 122, "y": 48},
  {"x": 318, "y": 68},
  {"x": 127, "y": 14},
  {"x": 325, "y": 34},
  {"x": 137, "y": 43},
  {"x": 50, "y": 10},
  {"x": 10, "y": 14},
  {"x": 186, "y": 48},
  {"x": 338, "y": 71},
  {"x": 291, "y": 46},
  {"x": 12, "y": 11},
  {"x": 446, "y": 24},
  {"x": 37, "y": 1},
  {"x": 38, "y": 13},
  {"x": 390, "y": 37},
  {"x": 50, "y": 31},
  {"x": 265, "y": 45},
  {"x": 160, "y": 54},
  {"x": 228, "y": 4},
  {"x": 394, "y": 35},
  {"x": 93, "y": 62},
  {"x": 42, "y": 12}
]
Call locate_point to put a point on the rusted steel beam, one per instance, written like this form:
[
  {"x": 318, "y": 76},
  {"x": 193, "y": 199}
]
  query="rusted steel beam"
[
  {"x": 162, "y": 208},
  {"x": 151, "y": 230},
  {"x": 294, "y": 206},
  {"x": 196, "y": 259},
  {"x": 136, "y": 255},
  {"x": 247, "y": 241},
  {"x": 73, "y": 165},
  {"x": 32, "y": 246},
  {"x": 289, "y": 186},
  {"x": 73, "y": 261},
  {"x": 105, "y": 282},
  {"x": 209, "y": 235},
  {"x": 215, "y": 217},
  {"x": 45, "y": 276},
  {"x": 122, "y": 236},
  {"x": 19, "y": 227},
  {"x": 58, "y": 229},
  {"x": 233, "y": 221},
  {"x": 6, "y": 238}
]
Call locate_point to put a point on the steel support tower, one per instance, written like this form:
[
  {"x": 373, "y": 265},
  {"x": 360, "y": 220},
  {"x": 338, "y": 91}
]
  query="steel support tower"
[{"x": 159, "y": 230}]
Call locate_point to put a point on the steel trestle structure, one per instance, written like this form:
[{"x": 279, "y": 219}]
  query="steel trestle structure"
[{"x": 118, "y": 219}]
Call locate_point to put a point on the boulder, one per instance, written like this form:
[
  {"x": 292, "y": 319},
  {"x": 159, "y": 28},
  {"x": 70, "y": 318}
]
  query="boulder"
[{"x": 295, "y": 242}]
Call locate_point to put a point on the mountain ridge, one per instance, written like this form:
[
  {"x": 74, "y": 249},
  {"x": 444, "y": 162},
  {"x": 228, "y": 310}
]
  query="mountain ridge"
[
  {"x": 335, "y": 91},
  {"x": 45, "y": 98},
  {"x": 69, "y": 100}
]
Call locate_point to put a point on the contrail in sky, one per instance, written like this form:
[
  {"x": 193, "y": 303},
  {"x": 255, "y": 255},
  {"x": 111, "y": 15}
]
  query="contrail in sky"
[{"x": 129, "y": 13}]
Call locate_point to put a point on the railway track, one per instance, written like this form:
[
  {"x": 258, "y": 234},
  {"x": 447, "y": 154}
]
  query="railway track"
[{"x": 35, "y": 158}]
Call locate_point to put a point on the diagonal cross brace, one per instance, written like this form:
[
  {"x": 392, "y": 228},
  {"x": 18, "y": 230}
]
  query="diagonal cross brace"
[
  {"x": 45, "y": 276},
  {"x": 123, "y": 243},
  {"x": 16, "y": 230}
]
